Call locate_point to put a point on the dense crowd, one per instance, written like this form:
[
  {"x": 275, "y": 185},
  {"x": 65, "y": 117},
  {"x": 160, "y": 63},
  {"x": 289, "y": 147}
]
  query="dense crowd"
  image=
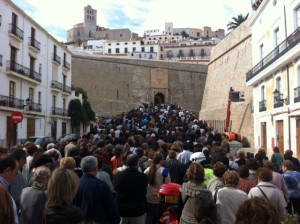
[{"x": 113, "y": 173}]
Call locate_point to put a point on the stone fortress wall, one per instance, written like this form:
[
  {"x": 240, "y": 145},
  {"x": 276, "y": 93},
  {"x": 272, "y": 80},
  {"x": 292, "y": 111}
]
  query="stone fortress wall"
[
  {"x": 231, "y": 59},
  {"x": 115, "y": 85}
]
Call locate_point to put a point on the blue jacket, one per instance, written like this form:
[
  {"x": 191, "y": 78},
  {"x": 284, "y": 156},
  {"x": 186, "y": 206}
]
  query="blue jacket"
[{"x": 96, "y": 201}]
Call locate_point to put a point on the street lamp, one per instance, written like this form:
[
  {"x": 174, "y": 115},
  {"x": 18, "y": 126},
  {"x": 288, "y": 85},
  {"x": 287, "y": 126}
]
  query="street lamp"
[{"x": 278, "y": 97}]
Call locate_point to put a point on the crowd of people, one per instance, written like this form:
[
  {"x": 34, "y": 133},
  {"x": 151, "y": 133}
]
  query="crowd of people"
[{"x": 113, "y": 173}]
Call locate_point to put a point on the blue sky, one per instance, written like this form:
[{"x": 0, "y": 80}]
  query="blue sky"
[{"x": 58, "y": 16}]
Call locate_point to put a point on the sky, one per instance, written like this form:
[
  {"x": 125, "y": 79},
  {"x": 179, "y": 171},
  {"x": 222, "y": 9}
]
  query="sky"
[{"x": 58, "y": 16}]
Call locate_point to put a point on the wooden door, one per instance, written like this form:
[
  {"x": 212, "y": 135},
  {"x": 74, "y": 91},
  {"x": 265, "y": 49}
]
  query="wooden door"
[
  {"x": 264, "y": 135},
  {"x": 298, "y": 136},
  {"x": 63, "y": 128},
  {"x": 280, "y": 136},
  {"x": 53, "y": 130},
  {"x": 30, "y": 127},
  {"x": 11, "y": 132}
]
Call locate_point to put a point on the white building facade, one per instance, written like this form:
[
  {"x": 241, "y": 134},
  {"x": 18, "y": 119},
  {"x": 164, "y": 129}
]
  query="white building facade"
[
  {"x": 35, "y": 77},
  {"x": 275, "y": 76}
]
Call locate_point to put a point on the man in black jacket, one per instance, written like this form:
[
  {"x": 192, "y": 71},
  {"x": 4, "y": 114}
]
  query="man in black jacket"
[{"x": 131, "y": 189}]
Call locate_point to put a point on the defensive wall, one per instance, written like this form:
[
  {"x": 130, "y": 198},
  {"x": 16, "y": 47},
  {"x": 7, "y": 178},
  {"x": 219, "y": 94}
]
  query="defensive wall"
[
  {"x": 115, "y": 85},
  {"x": 230, "y": 60}
]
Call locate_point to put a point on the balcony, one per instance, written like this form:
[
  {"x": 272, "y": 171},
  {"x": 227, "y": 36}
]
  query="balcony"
[
  {"x": 36, "y": 107},
  {"x": 16, "y": 32},
  {"x": 278, "y": 103},
  {"x": 59, "y": 112},
  {"x": 8, "y": 101},
  {"x": 67, "y": 89},
  {"x": 56, "y": 85},
  {"x": 262, "y": 105},
  {"x": 34, "y": 44},
  {"x": 279, "y": 51},
  {"x": 297, "y": 95},
  {"x": 66, "y": 65},
  {"x": 23, "y": 71},
  {"x": 56, "y": 59}
]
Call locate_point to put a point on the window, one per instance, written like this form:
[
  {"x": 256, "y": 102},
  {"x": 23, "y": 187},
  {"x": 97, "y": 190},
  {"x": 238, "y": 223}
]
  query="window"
[
  {"x": 276, "y": 37},
  {"x": 126, "y": 50},
  {"x": 1, "y": 59},
  {"x": 298, "y": 76},
  {"x": 151, "y": 49},
  {"x": 0, "y": 20},
  {"x": 125, "y": 43},
  {"x": 109, "y": 44},
  {"x": 278, "y": 84},
  {"x": 261, "y": 51},
  {"x": 53, "y": 101},
  {"x": 140, "y": 56},
  {"x": 31, "y": 94},
  {"x": 39, "y": 97},
  {"x": 262, "y": 93},
  {"x": 64, "y": 104},
  {"x": 118, "y": 44},
  {"x": 117, "y": 50},
  {"x": 133, "y": 43},
  {"x": 11, "y": 91},
  {"x": 134, "y": 49},
  {"x": 298, "y": 17},
  {"x": 40, "y": 68},
  {"x": 109, "y": 51},
  {"x": 121, "y": 35},
  {"x": 143, "y": 49}
]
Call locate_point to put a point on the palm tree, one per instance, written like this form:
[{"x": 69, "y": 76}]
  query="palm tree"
[{"x": 236, "y": 21}]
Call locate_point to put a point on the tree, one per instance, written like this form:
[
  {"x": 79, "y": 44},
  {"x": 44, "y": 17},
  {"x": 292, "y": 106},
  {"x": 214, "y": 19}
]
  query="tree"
[
  {"x": 236, "y": 22},
  {"x": 76, "y": 112}
]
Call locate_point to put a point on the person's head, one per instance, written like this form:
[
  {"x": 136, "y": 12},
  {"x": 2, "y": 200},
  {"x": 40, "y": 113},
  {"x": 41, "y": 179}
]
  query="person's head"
[
  {"x": 157, "y": 158},
  {"x": 43, "y": 160},
  {"x": 288, "y": 153},
  {"x": 3, "y": 151},
  {"x": 276, "y": 149},
  {"x": 8, "y": 168},
  {"x": 264, "y": 174},
  {"x": 219, "y": 169},
  {"x": 257, "y": 210},
  {"x": 67, "y": 163},
  {"x": 231, "y": 178},
  {"x": 172, "y": 154},
  {"x": 20, "y": 156},
  {"x": 62, "y": 187},
  {"x": 99, "y": 160},
  {"x": 205, "y": 209},
  {"x": 30, "y": 148},
  {"x": 41, "y": 177},
  {"x": 132, "y": 160},
  {"x": 287, "y": 165},
  {"x": 243, "y": 171},
  {"x": 89, "y": 164},
  {"x": 195, "y": 173},
  {"x": 240, "y": 154},
  {"x": 269, "y": 164}
]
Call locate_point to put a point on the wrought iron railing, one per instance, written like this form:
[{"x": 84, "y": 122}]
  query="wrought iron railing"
[
  {"x": 22, "y": 70},
  {"x": 56, "y": 85},
  {"x": 291, "y": 41},
  {"x": 66, "y": 65},
  {"x": 35, "y": 107},
  {"x": 34, "y": 43},
  {"x": 262, "y": 105},
  {"x": 65, "y": 113},
  {"x": 8, "y": 101},
  {"x": 56, "y": 58},
  {"x": 57, "y": 111},
  {"x": 13, "y": 29},
  {"x": 297, "y": 94},
  {"x": 67, "y": 89}
]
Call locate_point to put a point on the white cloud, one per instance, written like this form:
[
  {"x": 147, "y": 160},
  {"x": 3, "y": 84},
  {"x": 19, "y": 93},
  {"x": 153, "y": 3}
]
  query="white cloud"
[{"x": 64, "y": 14}]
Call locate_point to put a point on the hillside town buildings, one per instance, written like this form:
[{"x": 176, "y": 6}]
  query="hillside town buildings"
[
  {"x": 275, "y": 75},
  {"x": 35, "y": 77}
]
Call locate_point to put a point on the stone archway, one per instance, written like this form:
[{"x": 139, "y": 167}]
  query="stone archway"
[{"x": 159, "y": 98}]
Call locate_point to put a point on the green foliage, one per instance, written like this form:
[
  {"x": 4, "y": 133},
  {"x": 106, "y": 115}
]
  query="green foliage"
[
  {"x": 184, "y": 34},
  {"x": 236, "y": 21},
  {"x": 75, "y": 111},
  {"x": 290, "y": 219},
  {"x": 91, "y": 116},
  {"x": 80, "y": 90}
]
